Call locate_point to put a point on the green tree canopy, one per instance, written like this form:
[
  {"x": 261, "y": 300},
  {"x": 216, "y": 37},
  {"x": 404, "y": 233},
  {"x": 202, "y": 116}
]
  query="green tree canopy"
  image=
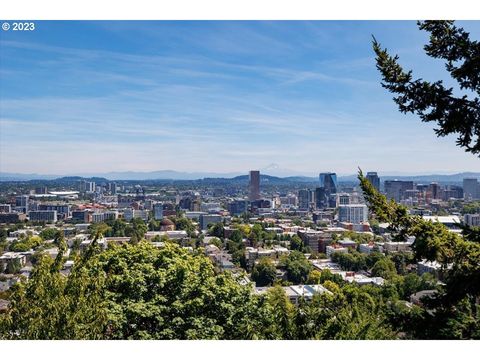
[
  {"x": 49, "y": 233},
  {"x": 13, "y": 266},
  {"x": 264, "y": 272},
  {"x": 236, "y": 236},
  {"x": 384, "y": 268},
  {"x": 26, "y": 244},
  {"x": 129, "y": 292},
  {"x": 296, "y": 243},
  {"x": 217, "y": 230},
  {"x": 136, "y": 231},
  {"x": 297, "y": 266}
]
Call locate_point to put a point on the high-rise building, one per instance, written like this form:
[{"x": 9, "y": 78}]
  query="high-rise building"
[
  {"x": 321, "y": 198},
  {"x": 471, "y": 189},
  {"x": 90, "y": 186},
  {"x": 329, "y": 182},
  {"x": 237, "y": 207},
  {"x": 395, "y": 189},
  {"x": 82, "y": 185},
  {"x": 453, "y": 191},
  {"x": 353, "y": 213},
  {"x": 374, "y": 179},
  {"x": 112, "y": 188},
  {"x": 254, "y": 185},
  {"x": 434, "y": 190},
  {"x": 304, "y": 199}
]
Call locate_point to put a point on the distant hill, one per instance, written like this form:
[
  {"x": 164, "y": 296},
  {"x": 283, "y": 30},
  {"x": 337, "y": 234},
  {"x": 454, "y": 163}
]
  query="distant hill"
[
  {"x": 70, "y": 179},
  {"x": 25, "y": 177},
  {"x": 171, "y": 175},
  {"x": 164, "y": 175},
  {"x": 306, "y": 179}
]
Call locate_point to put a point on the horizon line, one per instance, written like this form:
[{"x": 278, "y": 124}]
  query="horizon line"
[{"x": 232, "y": 174}]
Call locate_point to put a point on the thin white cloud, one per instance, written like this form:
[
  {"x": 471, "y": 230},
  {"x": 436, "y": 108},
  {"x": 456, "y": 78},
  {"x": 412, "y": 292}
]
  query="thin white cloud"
[{"x": 197, "y": 111}]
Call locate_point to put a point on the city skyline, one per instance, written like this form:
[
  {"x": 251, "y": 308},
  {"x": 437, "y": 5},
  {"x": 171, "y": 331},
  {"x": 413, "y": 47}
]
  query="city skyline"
[{"x": 214, "y": 96}]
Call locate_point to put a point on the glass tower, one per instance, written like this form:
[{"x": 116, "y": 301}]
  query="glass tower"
[{"x": 328, "y": 181}]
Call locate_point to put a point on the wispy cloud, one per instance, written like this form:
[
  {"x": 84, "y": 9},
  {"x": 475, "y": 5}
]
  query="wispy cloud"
[{"x": 207, "y": 96}]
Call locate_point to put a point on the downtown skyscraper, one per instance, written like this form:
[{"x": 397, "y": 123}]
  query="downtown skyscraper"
[
  {"x": 324, "y": 195},
  {"x": 254, "y": 185},
  {"x": 374, "y": 179},
  {"x": 329, "y": 182}
]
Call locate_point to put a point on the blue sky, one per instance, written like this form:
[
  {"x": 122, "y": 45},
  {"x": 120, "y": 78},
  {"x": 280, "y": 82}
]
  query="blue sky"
[{"x": 228, "y": 96}]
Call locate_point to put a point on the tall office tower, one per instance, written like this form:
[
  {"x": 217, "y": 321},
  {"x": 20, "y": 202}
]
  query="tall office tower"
[
  {"x": 321, "y": 198},
  {"x": 395, "y": 189},
  {"x": 90, "y": 186},
  {"x": 434, "y": 190},
  {"x": 471, "y": 189},
  {"x": 374, "y": 179},
  {"x": 112, "y": 188},
  {"x": 304, "y": 199},
  {"x": 329, "y": 182},
  {"x": 82, "y": 184},
  {"x": 453, "y": 191},
  {"x": 254, "y": 185}
]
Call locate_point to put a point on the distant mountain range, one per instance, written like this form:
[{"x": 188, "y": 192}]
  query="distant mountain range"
[
  {"x": 127, "y": 175},
  {"x": 240, "y": 177}
]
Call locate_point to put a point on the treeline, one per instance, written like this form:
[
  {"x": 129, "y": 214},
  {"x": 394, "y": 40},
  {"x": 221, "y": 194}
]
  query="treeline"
[{"x": 138, "y": 291}]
